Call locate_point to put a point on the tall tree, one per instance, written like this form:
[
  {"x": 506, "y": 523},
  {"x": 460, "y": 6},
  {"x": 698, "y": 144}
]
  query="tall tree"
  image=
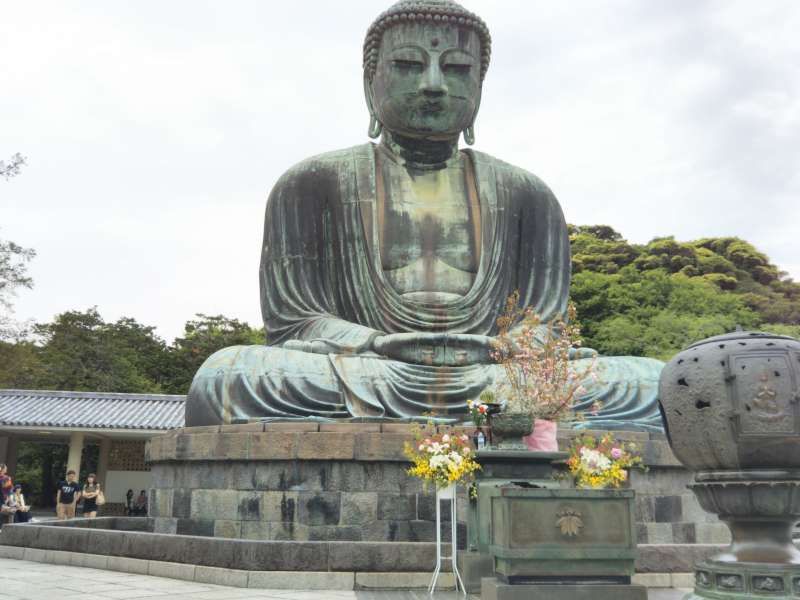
[
  {"x": 82, "y": 352},
  {"x": 202, "y": 337},
  {"x": 20, "y": 365},
  {"x": 14, "y": 261},
  {"x": 12, "y": 167}
]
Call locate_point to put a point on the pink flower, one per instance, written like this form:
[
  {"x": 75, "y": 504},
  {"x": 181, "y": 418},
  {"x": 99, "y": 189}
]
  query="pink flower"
[{"x": 616, "y": 453}]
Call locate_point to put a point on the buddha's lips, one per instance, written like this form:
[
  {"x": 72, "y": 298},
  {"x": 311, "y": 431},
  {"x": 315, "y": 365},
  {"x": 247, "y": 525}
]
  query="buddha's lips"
[{"x": 432, "y": 106}]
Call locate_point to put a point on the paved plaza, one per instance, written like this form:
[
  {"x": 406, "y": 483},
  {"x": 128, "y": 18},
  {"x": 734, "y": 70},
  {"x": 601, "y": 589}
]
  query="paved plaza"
[{"x": 24, "y": 580}]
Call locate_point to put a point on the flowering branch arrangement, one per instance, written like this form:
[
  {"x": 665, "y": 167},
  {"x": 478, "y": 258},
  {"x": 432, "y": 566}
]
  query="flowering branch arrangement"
[
  {"x": 13, "y": 167},
  {"x": 542, "y": 379},
  {"x": 442, "y": 459},
  {"x": 601, "y": 463}
]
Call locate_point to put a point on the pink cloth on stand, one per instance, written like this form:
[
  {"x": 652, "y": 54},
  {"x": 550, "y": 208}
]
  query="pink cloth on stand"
[{"x": 543, "y": 436}]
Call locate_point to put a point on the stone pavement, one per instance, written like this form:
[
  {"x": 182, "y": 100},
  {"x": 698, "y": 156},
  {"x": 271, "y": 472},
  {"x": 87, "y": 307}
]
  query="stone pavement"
[{"x": 24, "y": 580}]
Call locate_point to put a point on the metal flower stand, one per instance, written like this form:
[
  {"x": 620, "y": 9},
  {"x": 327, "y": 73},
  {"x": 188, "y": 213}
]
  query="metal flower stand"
[{"x": 448, "y": 493}]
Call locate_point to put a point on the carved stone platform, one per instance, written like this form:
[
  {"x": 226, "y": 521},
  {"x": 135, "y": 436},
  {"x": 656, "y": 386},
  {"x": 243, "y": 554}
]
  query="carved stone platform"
[{"x": 300, "y": 481}]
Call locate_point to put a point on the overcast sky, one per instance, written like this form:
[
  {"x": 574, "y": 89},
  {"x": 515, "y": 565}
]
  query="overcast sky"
[{"x": 155, "y": 129}]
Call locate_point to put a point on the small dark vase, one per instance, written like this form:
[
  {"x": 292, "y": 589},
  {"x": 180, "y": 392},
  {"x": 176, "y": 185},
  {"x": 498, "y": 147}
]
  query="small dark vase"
[{"x": 508, "y": 429}]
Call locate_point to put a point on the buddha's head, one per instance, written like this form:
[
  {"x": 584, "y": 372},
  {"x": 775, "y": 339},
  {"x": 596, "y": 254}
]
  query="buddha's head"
[{"x": 424, "y": 64}]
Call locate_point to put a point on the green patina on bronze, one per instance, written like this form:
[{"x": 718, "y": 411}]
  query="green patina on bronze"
[
  {"x": 385, "y": 266},
  {"x": 564, "y": 534},
  {"x": 562, "y": 544}
]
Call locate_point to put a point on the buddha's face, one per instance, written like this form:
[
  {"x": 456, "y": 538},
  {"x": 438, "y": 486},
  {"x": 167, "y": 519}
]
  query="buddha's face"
[{"x": 428, "y": 82}]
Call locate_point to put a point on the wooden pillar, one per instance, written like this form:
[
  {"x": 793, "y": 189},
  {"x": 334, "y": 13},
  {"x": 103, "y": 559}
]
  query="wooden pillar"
[
  {"x": 4, "y": 441},
  {"x": 11, "y": 455},
  {"x": 102, "y": 461},
  {"x": 75, "y": 452}
]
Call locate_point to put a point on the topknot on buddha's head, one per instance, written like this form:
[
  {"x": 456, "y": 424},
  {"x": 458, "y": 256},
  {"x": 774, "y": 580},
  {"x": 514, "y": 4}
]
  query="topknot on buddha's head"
[{"x": 434, "y": 11}]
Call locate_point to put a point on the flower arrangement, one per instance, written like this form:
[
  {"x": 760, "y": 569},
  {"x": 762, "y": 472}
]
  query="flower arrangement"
[
  {"x": 442, "y": 459},
  {"x": 543, "y": 380},
  {"x": 601, "y": 463},
  {"x": 478, "y": 411}
]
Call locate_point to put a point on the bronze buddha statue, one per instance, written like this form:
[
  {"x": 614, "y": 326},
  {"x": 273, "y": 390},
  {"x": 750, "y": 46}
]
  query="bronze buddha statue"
[{"x": 385, "y": 266}]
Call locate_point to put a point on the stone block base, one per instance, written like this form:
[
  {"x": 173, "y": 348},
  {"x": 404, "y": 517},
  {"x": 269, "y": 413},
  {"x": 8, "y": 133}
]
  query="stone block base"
[
  {"x": 293, "y": 482},
  {"x": 474, "y": 567},
  {"x": 270, "y": 580},
  {"x": 492, "y": 589}
]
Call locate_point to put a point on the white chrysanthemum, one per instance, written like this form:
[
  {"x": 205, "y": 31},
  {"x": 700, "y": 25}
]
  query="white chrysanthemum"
[
  {"x": 439, "y": 461},
  {"x": 594, "y": 461}
]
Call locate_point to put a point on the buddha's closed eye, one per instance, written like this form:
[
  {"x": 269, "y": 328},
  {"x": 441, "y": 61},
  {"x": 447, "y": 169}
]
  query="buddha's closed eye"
[
  {"x": 408, "y": 65},
  {"x": 457, "y": 69}
]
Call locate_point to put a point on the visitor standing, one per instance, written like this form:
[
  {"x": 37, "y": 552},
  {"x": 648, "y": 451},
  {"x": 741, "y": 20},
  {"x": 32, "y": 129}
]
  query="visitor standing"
[
  {"x": 140, "y": 507},
  {"x": 91, "y": 491},
  {"x": 69, "y": 492},
  {"x": 6, "y": 485},
  {"x": 129, "y": 503}
]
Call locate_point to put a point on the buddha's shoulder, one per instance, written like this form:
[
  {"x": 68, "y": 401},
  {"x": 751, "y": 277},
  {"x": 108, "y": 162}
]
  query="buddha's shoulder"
[
  {"x": 512, "y": 174},
  {"x": 325, "y": 165}
]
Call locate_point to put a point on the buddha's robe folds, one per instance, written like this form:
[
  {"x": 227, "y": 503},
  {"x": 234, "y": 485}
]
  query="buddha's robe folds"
[{"x": 321, "y": 279}]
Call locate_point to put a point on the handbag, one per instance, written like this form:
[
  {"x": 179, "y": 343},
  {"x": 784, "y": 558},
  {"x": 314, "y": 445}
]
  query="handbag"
[{"x": 100, "y": 500}]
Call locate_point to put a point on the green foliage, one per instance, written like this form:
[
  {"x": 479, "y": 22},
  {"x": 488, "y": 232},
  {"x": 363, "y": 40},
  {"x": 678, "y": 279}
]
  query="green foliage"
[
  {"x": 82, "y": 352},
  {"x": 654, "y": 299},
  {"x": 79, "y": 351},
  {"x": 40, "y": 466},
  {"x": 202, "y": 337},
  {"x": 20, "y": 365}
]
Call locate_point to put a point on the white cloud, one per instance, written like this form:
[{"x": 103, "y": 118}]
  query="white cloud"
[{"x": 155, "y": 129}]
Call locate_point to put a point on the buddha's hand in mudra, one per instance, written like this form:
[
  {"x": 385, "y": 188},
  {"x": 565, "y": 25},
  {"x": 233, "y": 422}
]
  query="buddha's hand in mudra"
[
  {"x": 579, "y": 353},
  {"x": 435, "y": 349}
]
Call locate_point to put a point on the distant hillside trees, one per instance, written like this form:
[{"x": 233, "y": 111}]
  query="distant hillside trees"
[
  {"x": 82, "y": 352},
  {"x": 655, "y": 298}
]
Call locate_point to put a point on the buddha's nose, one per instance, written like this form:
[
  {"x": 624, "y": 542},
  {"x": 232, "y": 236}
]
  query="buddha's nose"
[{"x": 432, "y": 83}]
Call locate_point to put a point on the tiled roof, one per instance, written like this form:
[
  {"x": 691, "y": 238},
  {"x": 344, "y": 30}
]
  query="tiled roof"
[{"x": 92, "y": 410}]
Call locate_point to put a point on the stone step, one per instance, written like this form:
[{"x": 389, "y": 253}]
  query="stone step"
[{"x": 248, "y": 555}]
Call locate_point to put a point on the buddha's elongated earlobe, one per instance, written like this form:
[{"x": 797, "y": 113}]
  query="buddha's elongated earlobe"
[
  {"x": 469, "y": 135},
  {"x": 375, "y": 127},
  {"x": 469, "y": 132}
]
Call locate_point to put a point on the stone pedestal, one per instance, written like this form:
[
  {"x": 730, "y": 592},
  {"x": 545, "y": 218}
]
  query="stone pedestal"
[
  {"x": 562, "y": 543},
  {"x": 563, "y": 536},
  {"x": 492, "y": 589},
  {"x": 298, "y": 481},
  {"x": 761, "y": 509},
  {"x": 499, "y": 468}
]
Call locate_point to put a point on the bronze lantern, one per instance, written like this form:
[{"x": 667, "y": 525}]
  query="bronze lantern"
[{"x": 731, "y": 407}]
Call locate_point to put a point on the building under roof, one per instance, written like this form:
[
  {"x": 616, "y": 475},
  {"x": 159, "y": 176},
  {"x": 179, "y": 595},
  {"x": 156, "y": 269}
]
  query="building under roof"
[{"x": 119, "y": 424}]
